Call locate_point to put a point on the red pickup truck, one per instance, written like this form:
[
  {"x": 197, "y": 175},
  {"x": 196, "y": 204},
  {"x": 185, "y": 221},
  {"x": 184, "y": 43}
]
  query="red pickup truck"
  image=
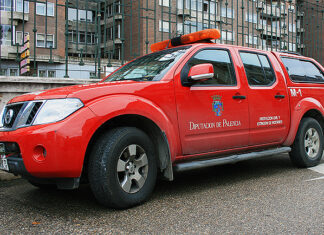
[{"x": 184, "y": 107}]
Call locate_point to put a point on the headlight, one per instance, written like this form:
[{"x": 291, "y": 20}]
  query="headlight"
[{"x": 56, "y": 110}]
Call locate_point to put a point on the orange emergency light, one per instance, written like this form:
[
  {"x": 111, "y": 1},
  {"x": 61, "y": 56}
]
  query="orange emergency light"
[{"x": 186, "y": 39}]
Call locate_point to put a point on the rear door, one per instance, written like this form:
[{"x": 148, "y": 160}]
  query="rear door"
[
  {"x": 268, "y": 98},
  {"x": 212, "y": 114}
]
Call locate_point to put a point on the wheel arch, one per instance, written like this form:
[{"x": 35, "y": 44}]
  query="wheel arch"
[
  {"x": 145, "y": 124},
  {"x": 308, "y": 107}
]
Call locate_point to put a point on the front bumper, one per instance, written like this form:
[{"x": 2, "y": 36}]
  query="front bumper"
[
  {"x": 64, "y": 142},
  {"x": 16, "y": 166}
]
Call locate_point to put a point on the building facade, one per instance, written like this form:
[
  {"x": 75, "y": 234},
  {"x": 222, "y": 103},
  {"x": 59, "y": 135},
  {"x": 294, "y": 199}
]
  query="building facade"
[{"x": 83, "y": 38}]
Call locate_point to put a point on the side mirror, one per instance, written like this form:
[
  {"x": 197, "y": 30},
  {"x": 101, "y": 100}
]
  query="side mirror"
[{"x": 201, "y": 71}]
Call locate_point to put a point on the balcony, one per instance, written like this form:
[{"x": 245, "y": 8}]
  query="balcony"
[
  {"x": 16, "y": 16},
  {"x": 268, "y": 11},
  {"x": 266, "y": 30},
  {"x": 300, "y": 30},
  {"x": 186, "y": 13},
  {"x": 8, "y": 52},
  {"x": 110, "y": 20},
  {"x": 82, "y": 25},
  {"x": 74, "y": 48},
  {"x": 183, "y": 12},
  {"x": 110, "y": 43},
  {"x": 299, "y": 14}
]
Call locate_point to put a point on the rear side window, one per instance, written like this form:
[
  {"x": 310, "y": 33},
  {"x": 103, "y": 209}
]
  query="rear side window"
[
  {"x": 302, "y": 70},
  {"x": 223, "y": 68},
  {"x": 258, "y": 69}
]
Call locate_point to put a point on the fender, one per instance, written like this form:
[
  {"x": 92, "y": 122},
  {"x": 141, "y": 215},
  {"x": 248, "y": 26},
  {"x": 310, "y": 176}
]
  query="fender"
[
  {"x": 297, "y": 114},
  {"x": 112, "y": 106}
]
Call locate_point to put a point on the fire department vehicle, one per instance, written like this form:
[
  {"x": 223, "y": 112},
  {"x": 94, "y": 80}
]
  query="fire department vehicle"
[{"x": 189, "y": 104}]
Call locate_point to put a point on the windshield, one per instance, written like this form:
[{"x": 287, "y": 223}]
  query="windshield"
[{"x": 151, "y": 67}]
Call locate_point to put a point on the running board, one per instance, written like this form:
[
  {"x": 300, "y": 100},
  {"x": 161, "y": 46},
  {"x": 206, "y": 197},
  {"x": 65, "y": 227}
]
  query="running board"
[{"x": 230, "y": 159}]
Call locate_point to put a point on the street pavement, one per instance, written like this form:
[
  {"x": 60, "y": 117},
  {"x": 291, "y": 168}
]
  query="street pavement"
[{"x": 262, "y": 196}]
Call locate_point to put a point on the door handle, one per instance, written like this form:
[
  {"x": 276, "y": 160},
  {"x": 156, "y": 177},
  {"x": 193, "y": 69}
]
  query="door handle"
[
  {"x": 279, "y": 96},
  {"x": 239, "y": 97}
]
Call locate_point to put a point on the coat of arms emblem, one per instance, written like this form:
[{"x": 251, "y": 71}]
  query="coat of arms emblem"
[{"x": 218, "y": 107}]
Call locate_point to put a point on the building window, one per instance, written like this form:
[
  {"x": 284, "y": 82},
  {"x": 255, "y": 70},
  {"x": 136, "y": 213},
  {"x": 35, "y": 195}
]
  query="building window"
[
  {"x": 92, "y": 74},
  {"x": 41, "y": 73},
  {"x": 6, "y": 33},
  {"x": 292, "y": 28},
  {"x": 40, "y": 40},
  {"x": 51, "y": 74},
  {"x": 19, "y": 37},
  {"x": 50, "y": 41},
  {"x": 83, "y": 15},
  {"x": 19, "y": 6},
  {"x": 250, "y": 39},
  {"x": 227, "y": 12},
  {"x": 165, "y": 3},
  {"x": 252, "y": 18},
  {"x": 89, "y": 38},
  {"x": 203, "y": 5},
  {"x": 41, "y": 9},
  {"x": 5, "y": 5},
  {"x": 164, "y": 26},
  {"x": 191, "y": 26},
  {"x": 117, "y": 7},
  {"x": 13, "y": 72},
  {"x": 81, "y": 37},
  {"x": 292, "y": 46},
  {"x": 3, "y": 72},
  {"x": 181, "y": 2},
  {"x": 228, "y": 35}
]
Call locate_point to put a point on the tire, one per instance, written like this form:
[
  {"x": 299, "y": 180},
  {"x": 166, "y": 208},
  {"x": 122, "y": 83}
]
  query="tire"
[
  {"x": 122, "y": 168},
  {"x": 307, "y": 149}
]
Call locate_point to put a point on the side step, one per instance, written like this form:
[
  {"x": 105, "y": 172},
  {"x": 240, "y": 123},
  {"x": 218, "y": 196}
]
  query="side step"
[{"x": 230, "y": 159}]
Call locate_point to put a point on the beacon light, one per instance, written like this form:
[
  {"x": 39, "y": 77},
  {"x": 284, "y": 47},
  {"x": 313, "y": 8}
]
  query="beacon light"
[{"x": 186, "y": 39}]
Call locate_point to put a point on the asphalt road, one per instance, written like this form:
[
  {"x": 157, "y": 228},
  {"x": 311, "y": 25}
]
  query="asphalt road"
[{"x": 259, "y": 196}]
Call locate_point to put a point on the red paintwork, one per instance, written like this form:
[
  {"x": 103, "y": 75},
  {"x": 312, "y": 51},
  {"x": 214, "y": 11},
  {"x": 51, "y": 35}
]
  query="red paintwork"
[
  {"x": 201, "y": 69},
  {"x": 173, "y": 108}
]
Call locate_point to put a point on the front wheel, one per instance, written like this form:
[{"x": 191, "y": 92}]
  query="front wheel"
[
  {"x": 122, "y": 168},
  {"x": 307, "y": 149}
]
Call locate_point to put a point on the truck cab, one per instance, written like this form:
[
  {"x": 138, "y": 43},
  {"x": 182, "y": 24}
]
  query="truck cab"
[{"x": 190, "y": 104}]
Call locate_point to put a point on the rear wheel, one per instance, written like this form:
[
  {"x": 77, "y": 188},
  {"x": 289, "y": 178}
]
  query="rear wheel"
[
  {"x": 122, "y": 168},
  {"x": 307, "y": 149}
]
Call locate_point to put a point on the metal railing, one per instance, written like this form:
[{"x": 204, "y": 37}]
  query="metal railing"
[{"x": 67, "y": 35}]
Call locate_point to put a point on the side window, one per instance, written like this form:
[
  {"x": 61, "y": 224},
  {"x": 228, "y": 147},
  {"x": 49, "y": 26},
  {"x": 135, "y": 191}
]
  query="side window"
[
  {"x": 302, "y": 70},
  {"x": 312, "y": 72},
  {"x": 223, "y": 68},
  {"x": 258, "y": 69}
]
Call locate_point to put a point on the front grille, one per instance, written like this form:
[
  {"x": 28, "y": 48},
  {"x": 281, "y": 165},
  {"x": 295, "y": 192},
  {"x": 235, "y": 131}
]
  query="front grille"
[
  {"x": 33, "y": 112},
  {"x": 10, "y": 114}
]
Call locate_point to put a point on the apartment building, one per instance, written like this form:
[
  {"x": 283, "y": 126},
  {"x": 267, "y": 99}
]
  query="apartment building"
[{"x": 83, "y": 38}]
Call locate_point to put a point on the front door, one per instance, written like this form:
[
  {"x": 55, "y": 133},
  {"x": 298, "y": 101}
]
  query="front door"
[{"x": 213, "y": 115}]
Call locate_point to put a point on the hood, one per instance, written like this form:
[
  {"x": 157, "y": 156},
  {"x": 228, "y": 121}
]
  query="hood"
[{"x": 85, "y": 93}]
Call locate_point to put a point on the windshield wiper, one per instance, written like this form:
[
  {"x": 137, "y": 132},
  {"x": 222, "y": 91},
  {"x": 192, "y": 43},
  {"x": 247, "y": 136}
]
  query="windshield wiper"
[{"x": 132, "y": 79}]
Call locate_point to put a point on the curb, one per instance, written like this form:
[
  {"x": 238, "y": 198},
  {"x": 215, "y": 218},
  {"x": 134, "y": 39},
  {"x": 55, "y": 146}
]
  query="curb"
[{"x": 7, "y": 176}]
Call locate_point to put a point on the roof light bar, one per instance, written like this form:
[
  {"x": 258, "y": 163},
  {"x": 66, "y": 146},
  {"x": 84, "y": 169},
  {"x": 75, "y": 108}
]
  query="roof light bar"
[{"x": 186, "y": 39}]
